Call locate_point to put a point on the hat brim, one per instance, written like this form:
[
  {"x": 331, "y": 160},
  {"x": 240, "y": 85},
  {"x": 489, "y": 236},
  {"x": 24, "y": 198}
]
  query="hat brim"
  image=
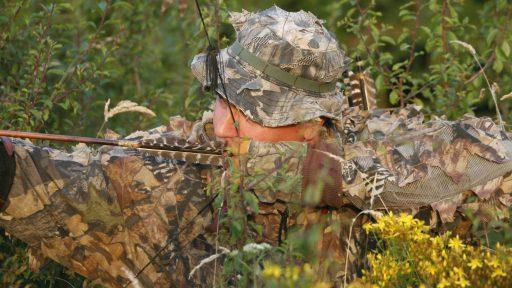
[{"x": 265, "y": 100}]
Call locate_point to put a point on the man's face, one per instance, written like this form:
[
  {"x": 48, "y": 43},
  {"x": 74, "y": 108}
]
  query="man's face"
[{"x": 225, "y": 129}]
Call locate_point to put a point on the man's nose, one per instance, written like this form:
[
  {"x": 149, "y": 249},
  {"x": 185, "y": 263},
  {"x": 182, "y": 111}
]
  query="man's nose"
[
  {"x": 225, "y": 128},
  {"x": 223, "y": 124}
]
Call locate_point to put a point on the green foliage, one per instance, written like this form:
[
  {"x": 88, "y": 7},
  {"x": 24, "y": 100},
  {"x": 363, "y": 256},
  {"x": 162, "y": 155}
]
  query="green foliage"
[
  {"x": 412, "y": 56},
  {"x": 62, "y": 61}
]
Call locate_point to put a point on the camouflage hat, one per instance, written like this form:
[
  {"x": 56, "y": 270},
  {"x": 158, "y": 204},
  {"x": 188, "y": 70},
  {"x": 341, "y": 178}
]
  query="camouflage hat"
[{"x": 282, "y": 69}]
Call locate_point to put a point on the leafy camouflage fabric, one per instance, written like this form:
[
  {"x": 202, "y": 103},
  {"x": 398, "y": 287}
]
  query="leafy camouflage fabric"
[
  {"x": 399, "y": 161},
  {"x": 104, "y": 214},
  {"x": 387, "y": 160},
  {"x": 294, "y": 43},
  {"x": 287, "y": 210}
]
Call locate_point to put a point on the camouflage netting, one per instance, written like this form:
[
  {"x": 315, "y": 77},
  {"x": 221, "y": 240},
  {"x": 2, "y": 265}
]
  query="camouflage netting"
[
  {"x": 398, "y": 161},
  {"x": 437, "y": 185}
]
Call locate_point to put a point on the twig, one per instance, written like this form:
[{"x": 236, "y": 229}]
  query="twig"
[
  {"x": 491, "y": 87},
  {"x": 208, "y": 260},
  {"x": 414, "y": 36},
  {"x": 373, "y": 213},
  {"x": 413, "y": 94},
  {"x": 443, "y": 26},
  {"x": 34, "y": 91},
  {"x": 216, "y": 244},
  {"x": 487, "y": 64},
  {"x": 65, "y": 281}
]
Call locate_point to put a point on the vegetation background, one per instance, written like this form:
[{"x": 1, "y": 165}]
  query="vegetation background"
[{"x": 60, "y": 61}]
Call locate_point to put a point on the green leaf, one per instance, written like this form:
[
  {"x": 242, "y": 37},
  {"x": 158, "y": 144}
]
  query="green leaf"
[
  {"x": 405, "y": 46},
  {"x": 379, "y": 83},
  {"x": 388, "y": 39},
  {"x": 490, "y": 37},
  {"x": 36, "y": 113},
  {"x": 426, "y": 30},
  {"x": 450, "y": 36},
  {"x": 102, "y": 5},
  {"x": 409, "y": 17},
  {"x": 505, "y": 48},
  {"x": 122, "y": 5},
  {"x": 236, "y": 228},
  {"x": 500, "y": 55},
  {"x": 65, "y": 7},
  {"x": 393, "y": 97},
  {"x": 403, "y": 36},
  {"x": 404, "y": 12},
  {"x": 419, "y": 102},
  {"x": 497, "y": 66},
  {"x": 257, "y": 227},
  {"x": 251, "y": 200}
]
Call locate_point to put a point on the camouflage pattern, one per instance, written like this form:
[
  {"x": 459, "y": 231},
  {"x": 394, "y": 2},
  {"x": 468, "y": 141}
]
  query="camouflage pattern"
[
  {"x": 297, "y": 43},
  {"x": 399, "y": 161},
  {"x": 390, "y": 161},
  {"x": 395, "y": 160},
  {"x": 105, "y": 213}
]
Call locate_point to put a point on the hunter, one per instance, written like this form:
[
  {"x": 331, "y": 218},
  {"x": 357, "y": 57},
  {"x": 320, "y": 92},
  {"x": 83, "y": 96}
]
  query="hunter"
[{"x": 106, "y": 214}]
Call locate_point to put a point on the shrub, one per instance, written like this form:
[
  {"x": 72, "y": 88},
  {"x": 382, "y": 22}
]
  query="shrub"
[{"x": 410, "y": 257}]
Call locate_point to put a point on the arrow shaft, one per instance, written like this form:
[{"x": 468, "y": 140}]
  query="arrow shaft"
[
  {"x": 98, "y": 141},
  {"x": 60, "y": 138}
]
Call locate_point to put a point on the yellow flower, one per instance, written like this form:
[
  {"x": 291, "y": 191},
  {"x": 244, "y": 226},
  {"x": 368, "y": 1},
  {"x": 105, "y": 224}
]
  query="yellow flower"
[
  {"x": 493, "y": 263},
  {"x": 456, "y": 244},
  {"x": 307, "y": 269},
  {"x": 443, "y": 283},
  {"x": 437, "y": 241},
  {"x": 441, "y": 261},
  {"x": 475, "y": 263},
  {"x": 498, "y": 273},
  {"x": 322, "y": 285},
  {"x": 458, "y": 271},
  {"x": 272, "y": 271},
  {"x": 462, "y": 282}
]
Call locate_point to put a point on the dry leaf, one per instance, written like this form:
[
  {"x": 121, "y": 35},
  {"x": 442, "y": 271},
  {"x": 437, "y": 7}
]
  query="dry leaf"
[
  {"x": 465, "y": 45},
  {"x": 508, "y": 96},
  {"x": 126, "y": 106},
  {"x": 105, "y": 110}
]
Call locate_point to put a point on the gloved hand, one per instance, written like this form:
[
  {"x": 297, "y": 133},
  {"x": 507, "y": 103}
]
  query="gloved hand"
[{"x": 7, "y": 170}]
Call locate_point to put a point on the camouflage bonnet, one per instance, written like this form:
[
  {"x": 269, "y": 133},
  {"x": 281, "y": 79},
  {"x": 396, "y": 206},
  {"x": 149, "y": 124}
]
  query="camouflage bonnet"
[{"x": 282, "y": 69}]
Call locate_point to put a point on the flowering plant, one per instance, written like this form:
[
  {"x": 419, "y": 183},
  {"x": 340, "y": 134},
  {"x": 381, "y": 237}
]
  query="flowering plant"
[{"x": 407, "y": 256}]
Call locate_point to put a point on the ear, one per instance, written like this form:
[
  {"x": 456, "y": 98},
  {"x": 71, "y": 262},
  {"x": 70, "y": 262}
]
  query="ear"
[{"x": 312, "y": 129}]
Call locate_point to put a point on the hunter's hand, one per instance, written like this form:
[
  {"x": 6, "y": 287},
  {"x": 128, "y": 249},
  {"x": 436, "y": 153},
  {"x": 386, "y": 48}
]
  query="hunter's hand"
[{"x": 7, "y": 170}]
